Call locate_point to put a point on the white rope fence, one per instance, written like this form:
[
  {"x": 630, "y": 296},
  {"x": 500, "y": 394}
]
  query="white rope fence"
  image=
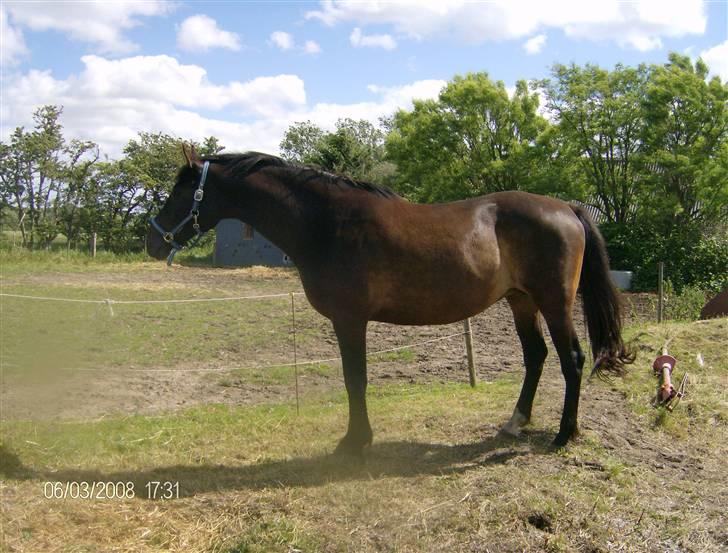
[
  {"x": 109, "y": 302},
  {"x": 262, "y": 367}
]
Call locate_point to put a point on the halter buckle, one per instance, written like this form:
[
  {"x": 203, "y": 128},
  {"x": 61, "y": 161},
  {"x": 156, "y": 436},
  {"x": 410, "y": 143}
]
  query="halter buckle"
[{"x": 199, "y": 193}]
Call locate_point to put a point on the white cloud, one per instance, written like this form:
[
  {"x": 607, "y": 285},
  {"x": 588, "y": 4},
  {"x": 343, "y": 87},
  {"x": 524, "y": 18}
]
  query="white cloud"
[
  {"x": 535, "y": 44},
  {"x": 358, "y": 39},
  {"x": 717, "y": 60},
  {"x": 638, "y": 24},
  {"x": 282, "y": 40},
  {"x": 111, "y": 101},
  {"x": 200, "y": 32},
  {"x": 311, "y": 47},
  {"x": 12, "y": 44},
  {"x": 286, "y": 42},
  {"x": 100, "y": 23}
]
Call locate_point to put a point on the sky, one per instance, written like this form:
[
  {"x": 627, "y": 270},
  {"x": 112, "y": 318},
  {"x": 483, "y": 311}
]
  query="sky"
[{"x": 246, "y": 71}]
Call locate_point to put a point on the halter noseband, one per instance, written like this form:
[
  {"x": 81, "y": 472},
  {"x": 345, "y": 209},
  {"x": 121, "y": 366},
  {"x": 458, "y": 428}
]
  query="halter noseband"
[{"x": 168, "y": 236}]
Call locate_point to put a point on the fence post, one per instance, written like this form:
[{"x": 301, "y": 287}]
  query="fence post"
[
  {"x": 469, "y": 350},
  {"x": 660, "y": 291},
  {"x": 92, "y": 245},
  {"x": 295, "y": 352}
]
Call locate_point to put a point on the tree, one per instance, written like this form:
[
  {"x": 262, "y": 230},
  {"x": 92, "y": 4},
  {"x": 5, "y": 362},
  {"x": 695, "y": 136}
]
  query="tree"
[
  {"x": 355, "y": 148},
  {"x": 127, "y": 191},
  {"x": 686, "y": 140},
  {"x": 472, "y": 140},
  {"x": 599, "y": 114},
  {"x": 42, "y": 176},
  {"x": 301, "y": 141}
]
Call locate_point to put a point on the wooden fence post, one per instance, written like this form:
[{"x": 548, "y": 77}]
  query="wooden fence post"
[
  {"x": 660, "y": 290},
  {"x": 469, "y": 350},
  {"x": 92, "y": 245},
  {"x": 295, "y": 352}
]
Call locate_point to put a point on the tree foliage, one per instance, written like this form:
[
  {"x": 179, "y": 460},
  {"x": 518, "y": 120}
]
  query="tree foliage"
[
  {"x": 598, "y": 113},
  {"x": 355, "y": 148},
  {"x": 647, "y": 146},
  {"x": 53, "y": 186},
  {"x": 472, "y": 140},
  {"x": 686, "y": 140}
]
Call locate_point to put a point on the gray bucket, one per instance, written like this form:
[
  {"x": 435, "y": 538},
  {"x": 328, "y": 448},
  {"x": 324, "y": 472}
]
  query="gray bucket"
[{"x": 622, "y": 279}]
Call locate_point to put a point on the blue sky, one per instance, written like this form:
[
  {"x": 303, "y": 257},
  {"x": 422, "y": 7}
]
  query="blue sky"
[{"x": 245, "y": 71}]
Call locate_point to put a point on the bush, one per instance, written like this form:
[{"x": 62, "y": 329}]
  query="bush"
[
  {"x": 692, "y": 256},
  {"x": 684, "y": 306}
]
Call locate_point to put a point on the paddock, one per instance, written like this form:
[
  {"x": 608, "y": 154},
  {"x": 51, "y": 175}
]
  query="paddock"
[{"x": 203, "y": 394}]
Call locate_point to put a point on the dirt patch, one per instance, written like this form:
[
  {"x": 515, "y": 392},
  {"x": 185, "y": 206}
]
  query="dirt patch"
[{"x": 99, "y": 391}]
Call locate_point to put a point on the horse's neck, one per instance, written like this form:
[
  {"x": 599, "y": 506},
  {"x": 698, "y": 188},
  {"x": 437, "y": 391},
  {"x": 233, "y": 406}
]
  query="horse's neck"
[{"x": 275, "y": 208}]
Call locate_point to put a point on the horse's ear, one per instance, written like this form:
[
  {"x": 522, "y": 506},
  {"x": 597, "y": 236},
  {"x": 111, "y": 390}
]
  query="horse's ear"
[{"x": 191, "y": 156}]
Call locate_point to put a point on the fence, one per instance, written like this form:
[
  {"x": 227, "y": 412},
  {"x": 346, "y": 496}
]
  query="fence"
[{"x": 109, "y": 304}]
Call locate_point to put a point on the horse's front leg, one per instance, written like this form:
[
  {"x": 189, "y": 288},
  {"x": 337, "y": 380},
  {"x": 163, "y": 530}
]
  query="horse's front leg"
[{"x": 352, "y": 343}]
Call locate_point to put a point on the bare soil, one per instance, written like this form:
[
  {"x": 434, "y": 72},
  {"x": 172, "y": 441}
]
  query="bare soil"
[{"x": 91, "y": 394}]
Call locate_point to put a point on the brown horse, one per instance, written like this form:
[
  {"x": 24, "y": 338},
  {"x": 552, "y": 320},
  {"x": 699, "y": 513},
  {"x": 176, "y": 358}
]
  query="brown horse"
[{"x": 366, "y": 254}]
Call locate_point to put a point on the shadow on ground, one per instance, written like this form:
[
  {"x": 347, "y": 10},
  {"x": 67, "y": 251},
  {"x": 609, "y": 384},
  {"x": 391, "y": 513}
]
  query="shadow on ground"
[{"x": 384, "y": 459}]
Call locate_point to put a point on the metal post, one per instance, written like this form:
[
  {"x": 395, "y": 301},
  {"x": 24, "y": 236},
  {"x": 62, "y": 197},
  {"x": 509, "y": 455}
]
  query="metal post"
[
  {"x": 660, "y": 291},
  {"x": 469, "y": 350},
  {"x": 295, "y": 352}
]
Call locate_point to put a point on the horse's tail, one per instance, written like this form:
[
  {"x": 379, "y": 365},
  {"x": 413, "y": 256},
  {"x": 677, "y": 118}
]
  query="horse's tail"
[{"x": 602, "y": 306}]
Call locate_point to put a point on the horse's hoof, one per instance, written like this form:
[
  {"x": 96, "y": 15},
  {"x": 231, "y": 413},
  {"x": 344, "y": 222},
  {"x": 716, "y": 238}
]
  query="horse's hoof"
[
  {"x": 510, "y": 431},
  {"x": 351, "y": 448},
  {"x": 562, "y": 439},
  {"x": 514, "y": 425}
]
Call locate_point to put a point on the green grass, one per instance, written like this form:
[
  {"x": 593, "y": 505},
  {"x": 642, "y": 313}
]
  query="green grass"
[
  {"x": 275, "y": 375},
  {"x": 705, "y": 407},
  {"x": 261, "y": 478},
  {"x": 405, "y": 355}
]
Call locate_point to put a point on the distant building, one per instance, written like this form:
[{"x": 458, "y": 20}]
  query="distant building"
[{"x": 238, "y": 244}]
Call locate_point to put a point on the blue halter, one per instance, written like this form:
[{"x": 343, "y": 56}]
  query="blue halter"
[{"x": 168, "y": 236}]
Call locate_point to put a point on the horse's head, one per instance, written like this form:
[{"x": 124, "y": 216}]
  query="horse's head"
[{"x": 190, "y": 210}]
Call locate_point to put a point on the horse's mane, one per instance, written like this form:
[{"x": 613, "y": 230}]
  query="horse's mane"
[{"x": 245, "y": 164}]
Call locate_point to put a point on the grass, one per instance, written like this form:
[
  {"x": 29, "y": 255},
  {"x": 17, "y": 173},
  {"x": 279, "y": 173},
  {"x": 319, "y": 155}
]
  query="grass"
[
  {"x": 275, "y": 375},
  {"x": 92, "y": 335},
  {"x": 705, "y": 408},
  {"x": 260, "y": 478},
  {"x": 438, "y": 477}
]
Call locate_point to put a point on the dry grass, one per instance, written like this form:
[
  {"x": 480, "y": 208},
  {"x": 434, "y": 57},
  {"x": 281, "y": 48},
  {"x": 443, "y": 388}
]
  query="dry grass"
[{"x": 439, "y": 477}]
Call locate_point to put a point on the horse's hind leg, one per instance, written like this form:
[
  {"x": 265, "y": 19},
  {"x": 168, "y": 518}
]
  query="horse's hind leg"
[
  {"x": 572, "y": 358},
  {"x": 528, "y": 326}
]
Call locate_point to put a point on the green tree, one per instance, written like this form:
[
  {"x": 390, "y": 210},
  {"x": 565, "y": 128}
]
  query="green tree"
[
  {"x": 301, "y": 141},
  {"x": 41, "y": 176},
  {"x": 686, "y": 140},
  {"x": 599, "y": 114},
  {"x": 355, "y": 148},
  {"x": 472, "y": 140}
]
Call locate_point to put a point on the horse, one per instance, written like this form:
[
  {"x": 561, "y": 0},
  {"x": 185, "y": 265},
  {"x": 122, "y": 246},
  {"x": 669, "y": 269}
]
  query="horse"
[{"x": 364, "y": 254}]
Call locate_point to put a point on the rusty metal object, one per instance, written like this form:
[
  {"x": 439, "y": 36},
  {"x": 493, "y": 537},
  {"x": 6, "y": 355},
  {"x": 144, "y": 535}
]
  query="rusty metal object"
[
  {"x": 662, "y": 367},
  {"x": 667, "y": 395}
]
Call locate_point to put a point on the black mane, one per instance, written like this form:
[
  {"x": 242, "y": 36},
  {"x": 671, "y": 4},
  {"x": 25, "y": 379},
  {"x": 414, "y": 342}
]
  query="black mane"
[{"x": 244, "y": 165}]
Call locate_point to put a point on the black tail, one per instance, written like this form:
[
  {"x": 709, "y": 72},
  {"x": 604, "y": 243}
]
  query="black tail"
[{"x": 601, "y": 304}]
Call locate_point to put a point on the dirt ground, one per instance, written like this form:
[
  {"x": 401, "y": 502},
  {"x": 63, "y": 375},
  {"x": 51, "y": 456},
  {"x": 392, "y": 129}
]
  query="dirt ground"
[
  {"x": 92, "y": 394},
  {"x": 649, "y": 492}
]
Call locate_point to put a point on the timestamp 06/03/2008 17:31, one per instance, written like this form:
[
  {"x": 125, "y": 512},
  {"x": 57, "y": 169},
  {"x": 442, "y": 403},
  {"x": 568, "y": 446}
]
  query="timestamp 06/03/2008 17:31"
[{"x": 99, "y": 490}]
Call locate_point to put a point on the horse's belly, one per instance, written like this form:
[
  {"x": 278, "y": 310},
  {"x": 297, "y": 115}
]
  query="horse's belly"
[{"x": 448, "y": 298}]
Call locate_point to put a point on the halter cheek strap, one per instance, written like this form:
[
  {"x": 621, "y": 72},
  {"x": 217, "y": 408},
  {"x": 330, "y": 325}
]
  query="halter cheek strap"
[{"x": 168, "y": 236}]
